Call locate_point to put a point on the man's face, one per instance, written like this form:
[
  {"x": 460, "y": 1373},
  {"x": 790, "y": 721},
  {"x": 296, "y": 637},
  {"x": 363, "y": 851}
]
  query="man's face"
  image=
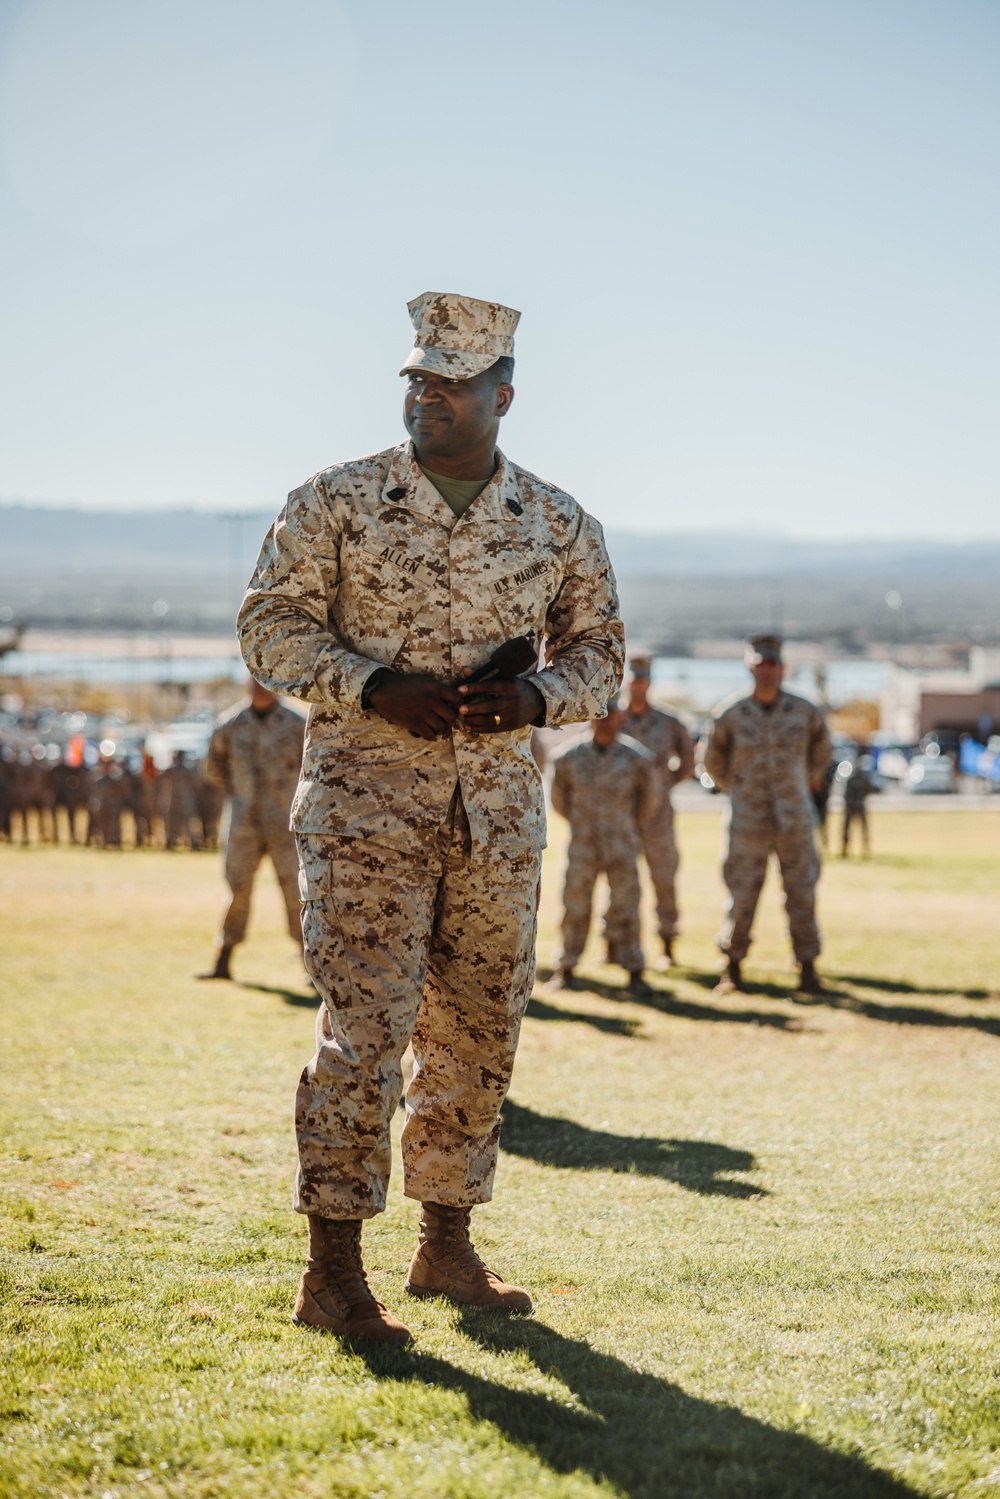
[
  {"x": 260, "y": 697},
  {"x": 447, "y": 418},
  {"x": 768, "y": 674},
  {"x": 638, "y": 687},
  {"x": 607, "y": 729}
]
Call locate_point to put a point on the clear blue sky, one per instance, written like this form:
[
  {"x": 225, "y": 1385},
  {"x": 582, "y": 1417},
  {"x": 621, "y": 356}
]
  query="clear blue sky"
[{"x": 755, "y": 243}]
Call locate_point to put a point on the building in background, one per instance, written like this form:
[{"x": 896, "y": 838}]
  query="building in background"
[{"x": 946, "y": 703}]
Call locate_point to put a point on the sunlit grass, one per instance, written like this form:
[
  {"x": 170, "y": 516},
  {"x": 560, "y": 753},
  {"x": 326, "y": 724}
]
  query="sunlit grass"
[{"x": 761, "y": 1235}]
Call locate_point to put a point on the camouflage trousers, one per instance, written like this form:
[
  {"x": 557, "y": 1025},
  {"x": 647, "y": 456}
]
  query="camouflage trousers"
[
  {"x": 246, "y": 846},
  {"x": 745, "y": 857},
  {"x": 403, "y": 947},
  {"x": 660, "y": 848},
  {"x": 621, "y": 919}
]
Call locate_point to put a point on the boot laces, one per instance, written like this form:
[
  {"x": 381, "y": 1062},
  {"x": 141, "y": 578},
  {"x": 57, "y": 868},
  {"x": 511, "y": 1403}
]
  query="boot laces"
[
  {"x": 446, "y": 1226},
  {"x": 344, "y": 1261},
  {"x": 456, "y": 1226},
  {"x": 448, "y": 1233}
]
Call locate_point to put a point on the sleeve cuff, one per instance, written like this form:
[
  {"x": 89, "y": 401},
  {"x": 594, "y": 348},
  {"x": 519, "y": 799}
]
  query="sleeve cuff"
[
  {"x": 370, "y": 684},
  {"x": 342, "y": 681},
  {"x": 563, "y": 707}
]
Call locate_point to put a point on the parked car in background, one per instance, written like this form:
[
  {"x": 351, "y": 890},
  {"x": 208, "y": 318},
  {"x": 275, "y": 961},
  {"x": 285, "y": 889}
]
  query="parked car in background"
[
  {"x": 930, "y": 772},
  {"x": 892, "y": 761}
]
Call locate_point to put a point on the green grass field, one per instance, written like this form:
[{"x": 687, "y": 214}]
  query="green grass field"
[{"x": 761, "y": 1235}]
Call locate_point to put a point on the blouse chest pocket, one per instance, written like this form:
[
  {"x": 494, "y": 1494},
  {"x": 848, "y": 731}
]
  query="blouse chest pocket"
[
  {"x": 523, "y": 597},
  {"x": 795, "y": 744},
  {"x": 383, "y": 589}
]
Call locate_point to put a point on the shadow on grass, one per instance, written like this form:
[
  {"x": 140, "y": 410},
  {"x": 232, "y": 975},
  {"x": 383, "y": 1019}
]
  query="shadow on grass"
[
  {"x": 840, "y": 999},
  {"x": 689, "y": 1009},
  {"x": 309, "y": 1001},
  {"x": 899, "y": 986},
  {"x": 834, "y": 999},
  {"x": 695, "y": 1164},
  {"x": 668, "y": 1003},
  {"x": 643, "y": 1435},
  {"x": 612, "y": 1025}
]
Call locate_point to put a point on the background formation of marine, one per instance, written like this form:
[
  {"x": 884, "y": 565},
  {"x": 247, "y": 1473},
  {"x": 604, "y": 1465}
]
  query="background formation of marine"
[{"x": 95, "y": 804}]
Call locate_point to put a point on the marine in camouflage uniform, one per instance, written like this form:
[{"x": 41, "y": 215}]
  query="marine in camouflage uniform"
[
  {"x": 71, "y": 792},
  {"x": 768, "y": 750},
  {"x": 419, "y": 814},
  {"x": 254, "y": 756},
  {"x": 106, "y": 803},
  {"x": 143, "y": 798},
  {"x": 177, "y": 801},
  {"x": 670, "y": 744},
  {"x": 7, "y": 774},
  {"x": 857, "y": 788},
  {"x": 608, "y": 789}
]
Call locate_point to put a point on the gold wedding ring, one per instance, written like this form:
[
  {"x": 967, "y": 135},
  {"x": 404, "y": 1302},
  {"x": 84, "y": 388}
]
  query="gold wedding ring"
[{"x": 496, "y": 719}]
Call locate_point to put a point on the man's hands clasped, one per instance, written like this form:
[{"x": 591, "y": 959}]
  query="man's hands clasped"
[
  {"x": 497, "y": 705},
  {"x": 418, "y": 702},
  {"x": 429, "y": 708}
]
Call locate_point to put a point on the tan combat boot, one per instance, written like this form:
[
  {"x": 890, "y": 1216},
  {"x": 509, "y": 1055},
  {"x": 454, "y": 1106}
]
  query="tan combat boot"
[
  {"x": 221, "y": 969},
  {"x": 809, "y": 980},
  {"x": 446, "y": 1264},
  {"x": 731, "y": 981},
  {"x": 333, "y": 1292}
]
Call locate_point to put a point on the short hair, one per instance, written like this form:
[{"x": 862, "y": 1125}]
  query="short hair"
[{"x": 502, "y": 371}]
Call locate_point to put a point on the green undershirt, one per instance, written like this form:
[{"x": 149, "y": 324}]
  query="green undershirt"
[{"x": 458, "y": 494}]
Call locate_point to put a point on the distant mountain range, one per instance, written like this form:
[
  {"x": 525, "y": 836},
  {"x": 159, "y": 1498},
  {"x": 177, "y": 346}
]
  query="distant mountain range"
[
  {"x": 42, "y": 539},
  {"x": 711, "y": 554},
  {"x": 186, "y": 570}
]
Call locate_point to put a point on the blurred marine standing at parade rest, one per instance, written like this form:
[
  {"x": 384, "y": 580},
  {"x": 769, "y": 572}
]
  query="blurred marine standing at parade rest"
[
  {"x": 384, "y": 584},
  {"x": 255, "y": 755},
  {"x": 670, "y": 745},
  {"x": 769, "y": 750}
]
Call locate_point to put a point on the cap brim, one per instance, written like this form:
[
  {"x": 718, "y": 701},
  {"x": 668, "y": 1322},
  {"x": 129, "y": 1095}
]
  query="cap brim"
[{"x": 452, "y": 364}]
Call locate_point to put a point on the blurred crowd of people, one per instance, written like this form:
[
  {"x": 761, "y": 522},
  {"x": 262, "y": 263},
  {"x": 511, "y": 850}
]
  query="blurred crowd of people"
[{"x": 104, "y": 796}]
